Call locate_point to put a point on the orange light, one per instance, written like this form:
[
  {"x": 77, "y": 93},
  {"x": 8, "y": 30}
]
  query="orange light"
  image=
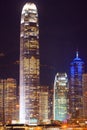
[
  {"x": 64, "y": 126},
  {"x": 38, "y": 128}
]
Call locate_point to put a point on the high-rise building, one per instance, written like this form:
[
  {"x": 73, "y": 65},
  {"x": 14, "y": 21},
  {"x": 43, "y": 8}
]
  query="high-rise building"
[
  {"x": 75, "y": 87},
  {"x": 50, "y": 106},
  {"x": 2, "y": 119},
  {"x": 60, "y": 102},
  {"x": 8, "y": 100},
  {"x": 84, "y": 87},
  {"x": 43, "y": 103},
  {"x": 29, "y": 65}
]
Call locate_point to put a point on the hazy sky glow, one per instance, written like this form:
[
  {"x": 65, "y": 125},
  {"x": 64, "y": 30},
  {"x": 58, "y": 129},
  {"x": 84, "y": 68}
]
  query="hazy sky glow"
[{"x": 63, "y": 29}]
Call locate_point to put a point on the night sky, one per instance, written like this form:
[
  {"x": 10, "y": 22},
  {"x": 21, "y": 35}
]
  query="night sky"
[{"x": 63, "y": 29}]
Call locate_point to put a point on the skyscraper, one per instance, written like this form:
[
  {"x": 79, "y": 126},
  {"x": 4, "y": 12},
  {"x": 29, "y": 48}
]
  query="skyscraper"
[
  {"x": 75, "y": 87},
  {"x": 60, "y": 105},
  {"x": 84, "y": 87},
  {"x": 8, "y": 100},
  {"x": 43, "y": 103},
  {"x": 29, "y": 65}
]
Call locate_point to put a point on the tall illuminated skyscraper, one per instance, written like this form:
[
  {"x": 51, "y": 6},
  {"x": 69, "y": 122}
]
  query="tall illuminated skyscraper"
[
  {"x": 60, "y": 102},
  {"x": 75, "y": 87},
  {"x": 29, "y": 65}
]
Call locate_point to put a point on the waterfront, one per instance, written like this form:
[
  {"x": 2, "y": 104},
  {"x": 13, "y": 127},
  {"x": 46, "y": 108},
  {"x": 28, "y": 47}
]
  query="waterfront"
[{"x": 43, "y": 127}]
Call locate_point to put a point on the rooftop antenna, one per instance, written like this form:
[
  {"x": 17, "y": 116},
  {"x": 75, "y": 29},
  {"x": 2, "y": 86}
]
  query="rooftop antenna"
[{"x": 77, "y": 53}]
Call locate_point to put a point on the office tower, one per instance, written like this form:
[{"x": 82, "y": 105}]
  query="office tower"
[
  {"x": 75, "y": 87},
  {"x": 29, "y": 65},
  {"x": 84, "y": 87},
  {"x": 50, "y": 106},
  {"x": 60, "y": 105},
  {"x": 43, "y": 102},
  {"x": 2, "y": 119},
  {"x": 7, "y": 100}
]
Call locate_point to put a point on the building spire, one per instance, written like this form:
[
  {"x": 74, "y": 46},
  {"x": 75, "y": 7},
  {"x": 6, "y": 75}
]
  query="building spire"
[{"x": 77, "y": 53}]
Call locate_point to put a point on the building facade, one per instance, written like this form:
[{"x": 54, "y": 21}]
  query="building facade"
[
  {"x": 8, "y": 100},
  {"x": 60, "y": 105},
  {"x": 50, "y": 101},
  {"x": 29, "y": 65},
  {"x": 43, "y": 109},
  {"x": 2, "y": 119},
  {"x": 84, "y": 87},
  {"x": 44, "y": 105},
  {"x": 75, "y": 87}
]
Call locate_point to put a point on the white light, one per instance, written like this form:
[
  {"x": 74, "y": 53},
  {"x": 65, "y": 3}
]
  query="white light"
[
  {"x": 62, "y": 84},
  {"x": 21, "y": 35},
  {"x": 29, "y": 6},
  {"x": 22, "y": 20}
]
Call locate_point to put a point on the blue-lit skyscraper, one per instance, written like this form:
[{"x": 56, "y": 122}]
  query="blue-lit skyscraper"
[
  {"x": 75, "y": 86},
  {"x": 60, "y": 101}
]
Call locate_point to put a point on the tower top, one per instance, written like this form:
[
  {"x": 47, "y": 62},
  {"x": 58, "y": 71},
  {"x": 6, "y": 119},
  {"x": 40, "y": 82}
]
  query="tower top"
[
  {"x": 77, "y": 59},
  {"x": 77, "y": 53},
  {"x": 29, "y": 6}
]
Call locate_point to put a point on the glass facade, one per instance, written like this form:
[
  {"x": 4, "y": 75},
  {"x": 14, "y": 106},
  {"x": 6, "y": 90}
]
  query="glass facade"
[
  {"x": 60, "y": 97},
  {"x": 75, "y": 87},
  {"x": 29, "y": 65}
]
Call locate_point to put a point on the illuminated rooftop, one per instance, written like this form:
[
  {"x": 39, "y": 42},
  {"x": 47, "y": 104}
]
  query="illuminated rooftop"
[
  {"x": 77, "y": 58},
  {"x": 29, "y": 6}
]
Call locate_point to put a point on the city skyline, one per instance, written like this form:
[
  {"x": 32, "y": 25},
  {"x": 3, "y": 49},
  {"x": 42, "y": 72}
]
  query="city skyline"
[
  {"x": 46, "y": 60},
  {"x": 63, "y": 29}
]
